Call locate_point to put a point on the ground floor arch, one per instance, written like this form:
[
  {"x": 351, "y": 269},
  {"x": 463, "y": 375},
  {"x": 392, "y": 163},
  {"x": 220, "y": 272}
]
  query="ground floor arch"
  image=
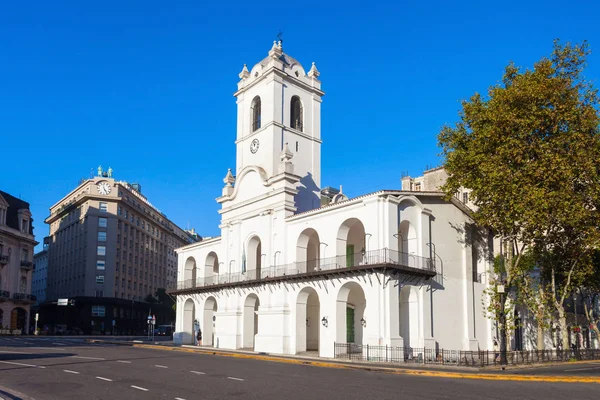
[
  {"x": 409, "y": 316},
  {"x": 350, "y": 314},
  {"x": 18, "y": 318},
  {"x": 308, "y": 320},
  {"x": 209, "y": 323},
  {"x": 189, "y": 315},
  {"x": 250, "y": 321}
]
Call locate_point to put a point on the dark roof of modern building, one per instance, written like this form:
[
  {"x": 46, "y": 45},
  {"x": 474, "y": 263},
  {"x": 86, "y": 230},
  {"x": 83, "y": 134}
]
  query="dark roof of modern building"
[{"x": 14, "y": 205}]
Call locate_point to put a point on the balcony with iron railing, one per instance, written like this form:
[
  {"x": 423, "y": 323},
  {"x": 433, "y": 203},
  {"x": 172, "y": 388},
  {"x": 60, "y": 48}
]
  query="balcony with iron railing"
[
  {"x": 4, "y": 295},
  {"x": 3, "y": 259},
  {"x": 23, "y": 298},
  {"x": 388, "y": 260},
  {"x": 27, "y": 265}
]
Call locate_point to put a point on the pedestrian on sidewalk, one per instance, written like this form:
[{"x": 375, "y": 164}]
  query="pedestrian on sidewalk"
[{"x": 199, "y": 337}]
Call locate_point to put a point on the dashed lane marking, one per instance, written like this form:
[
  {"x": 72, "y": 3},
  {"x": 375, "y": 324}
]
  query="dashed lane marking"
[
  {"x": 104, "y": 379},
  {"x": 71, "y": 372},
  {"x": 124, "y": 362},
  {"x": 139, "y": 388},
  {"x": 179, "y": 398},
  {"x": 234, "y": 379},
  {"x": 161, "y": 366},
  {"x": 198, "y": 372},
  {"x": 89, "y": 358},
  {"x": 21, "y": 364},
  {"x": 394, "y": 371},
  {"x": 46, "y": 348}
]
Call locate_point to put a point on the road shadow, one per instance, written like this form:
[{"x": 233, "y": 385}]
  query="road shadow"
[{"x": 32, "y": 356}]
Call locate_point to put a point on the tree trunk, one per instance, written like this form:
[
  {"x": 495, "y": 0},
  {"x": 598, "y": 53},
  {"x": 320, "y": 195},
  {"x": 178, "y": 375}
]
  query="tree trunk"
[
  {"x": 562, "y": 322},
  {"x": 503, "y": 332},
  {"x": 596, "y": 343},
  {"x": 540, "y": 336}
]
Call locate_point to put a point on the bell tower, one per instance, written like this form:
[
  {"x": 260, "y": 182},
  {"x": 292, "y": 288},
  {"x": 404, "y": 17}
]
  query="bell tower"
[{"x": 278, "y": 103}]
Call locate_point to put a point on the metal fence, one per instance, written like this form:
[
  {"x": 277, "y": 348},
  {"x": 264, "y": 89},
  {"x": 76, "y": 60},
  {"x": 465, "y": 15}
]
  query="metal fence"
[
  {"x": 466, "y": 358},
  {"x": 371, "y": 257}
]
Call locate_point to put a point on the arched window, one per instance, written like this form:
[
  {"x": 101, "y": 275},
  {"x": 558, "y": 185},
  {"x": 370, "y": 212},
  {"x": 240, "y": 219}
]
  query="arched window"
[
  {"x": 255, "y": 113},
  {"x": 296, "y": 110},
  {"x": 23, "y": 286}
]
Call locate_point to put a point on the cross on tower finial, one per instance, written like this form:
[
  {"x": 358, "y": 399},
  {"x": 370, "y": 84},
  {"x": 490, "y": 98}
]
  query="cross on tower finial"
[{"x": 280, "y": 36}]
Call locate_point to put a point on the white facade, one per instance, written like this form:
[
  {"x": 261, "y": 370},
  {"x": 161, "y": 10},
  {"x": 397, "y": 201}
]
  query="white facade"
[{"x": 288, "y": 275}]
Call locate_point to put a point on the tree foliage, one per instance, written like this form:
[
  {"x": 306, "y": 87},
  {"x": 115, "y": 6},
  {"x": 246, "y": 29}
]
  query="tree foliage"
[{"x": 529, "y": 151}]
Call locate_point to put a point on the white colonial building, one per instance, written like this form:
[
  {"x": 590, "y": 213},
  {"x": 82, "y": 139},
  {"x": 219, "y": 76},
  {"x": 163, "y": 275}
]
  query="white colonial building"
[{"x": 299, "y": 268}]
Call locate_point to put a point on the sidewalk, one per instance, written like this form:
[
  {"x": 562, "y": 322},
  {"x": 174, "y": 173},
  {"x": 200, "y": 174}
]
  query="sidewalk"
[{"x": 441, "y": 371}]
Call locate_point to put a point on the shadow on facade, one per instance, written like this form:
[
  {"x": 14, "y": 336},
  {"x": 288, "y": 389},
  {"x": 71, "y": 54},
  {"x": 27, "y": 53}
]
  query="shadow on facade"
[{"x": 307, "y": 198}]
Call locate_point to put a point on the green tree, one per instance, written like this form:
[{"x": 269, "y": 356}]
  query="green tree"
[
  {"x": 529, "y": 152},
  {"x": 589, "y": 289}
]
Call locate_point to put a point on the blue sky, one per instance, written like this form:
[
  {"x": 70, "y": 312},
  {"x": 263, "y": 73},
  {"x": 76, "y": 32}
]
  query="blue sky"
[{"x": 146, "y": 87}]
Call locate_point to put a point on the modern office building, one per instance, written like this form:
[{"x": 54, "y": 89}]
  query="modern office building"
[
  {"x": 107, "y": 240},
  {"x": 16, "y": 263},
  {"x": 40, "y": 275}
]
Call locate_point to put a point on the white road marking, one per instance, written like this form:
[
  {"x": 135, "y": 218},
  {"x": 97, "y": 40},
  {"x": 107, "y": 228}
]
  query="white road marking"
[
  {"x": 104, "y": 379},
  {"x": 71, "y": 372},
  {"x": 198, "y": 372},
  {"x": 179, "y": 398},
  {"x": 139, "y": 388},
  {"x": 235, "y": 379},
  {"x": 22, "y": 365},
  {"x": 161, "y": 366},
  {"x": 124, "y": 362},
  {"x": 582, "y": 369},
  {"x": 46, "y": 348},
  {"x": 13, "y": 352},
  {"x": 59, "y": 344},
  {"x": 89, "y": 358}
]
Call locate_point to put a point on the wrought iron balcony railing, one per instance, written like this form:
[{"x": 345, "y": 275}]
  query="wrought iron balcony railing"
[
  {"x": 3, "y": 259},
  {"x": 409, "y": 262},
  {"x": 24, "y": 297},
  {"x": 4, "y": 295},
  {"x": 26, "y": 264}
]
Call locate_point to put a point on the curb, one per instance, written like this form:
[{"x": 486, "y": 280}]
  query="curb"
[
  {"x": 387, "y": 370},
  {"x": 9, "y": 394}
]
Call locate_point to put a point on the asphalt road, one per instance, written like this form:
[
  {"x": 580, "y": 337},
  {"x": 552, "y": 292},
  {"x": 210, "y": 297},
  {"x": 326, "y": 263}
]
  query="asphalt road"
[{"x": 52, "y": 368}]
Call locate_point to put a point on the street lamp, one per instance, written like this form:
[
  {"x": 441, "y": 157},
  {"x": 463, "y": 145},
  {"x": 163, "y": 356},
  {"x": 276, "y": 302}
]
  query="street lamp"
[
  {"x": 275, "y": 258},
  {"x": 365, "y": 244},
  {"x": 432, "y": 253},
  {"x": 229, "y": 272},
  {"x": 325, "y": 244}
]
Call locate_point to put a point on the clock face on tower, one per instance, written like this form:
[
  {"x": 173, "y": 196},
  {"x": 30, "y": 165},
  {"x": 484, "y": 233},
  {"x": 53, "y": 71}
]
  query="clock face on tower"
[
  {"x": 103, "y": 188},
  {"x": 254, "y": 146}
]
